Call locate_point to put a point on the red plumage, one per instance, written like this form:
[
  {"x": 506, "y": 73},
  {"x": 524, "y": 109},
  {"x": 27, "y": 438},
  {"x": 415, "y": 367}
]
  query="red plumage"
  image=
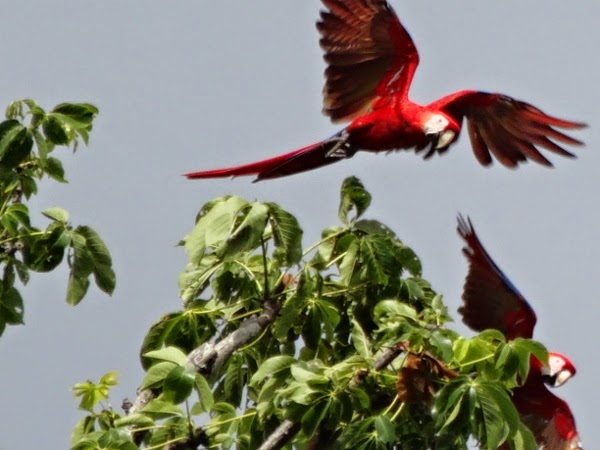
[
  {"x": 371, "y": 60},
  {"x": 490, "y": 300}
]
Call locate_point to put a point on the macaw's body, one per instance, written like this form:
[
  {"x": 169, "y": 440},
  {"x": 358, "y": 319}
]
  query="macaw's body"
[
  {"x": 371, "y": 60},
  {"x": 490, "y": 300}
]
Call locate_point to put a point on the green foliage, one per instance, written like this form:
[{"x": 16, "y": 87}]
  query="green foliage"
[
  {"x": 342, "y": 304},
  {"x": 28, "y": 139}
]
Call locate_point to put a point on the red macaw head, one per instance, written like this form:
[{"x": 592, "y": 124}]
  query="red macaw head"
[
  {"x": 440, "y": 129},
  {"x": 558, "y": 370}
]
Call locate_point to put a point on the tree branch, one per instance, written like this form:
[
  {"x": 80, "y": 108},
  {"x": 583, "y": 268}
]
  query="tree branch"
[
  {"x": 208, "y": 358},
  {"x": 281, "y": 436}
]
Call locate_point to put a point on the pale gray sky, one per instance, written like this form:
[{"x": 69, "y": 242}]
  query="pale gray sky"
[{"x": 192, "y": 85}]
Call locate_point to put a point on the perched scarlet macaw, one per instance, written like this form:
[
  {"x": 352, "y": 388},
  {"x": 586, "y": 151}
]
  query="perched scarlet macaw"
[
  {"x": 371, "y": 62},
  {"x": 492, "y": 301}
]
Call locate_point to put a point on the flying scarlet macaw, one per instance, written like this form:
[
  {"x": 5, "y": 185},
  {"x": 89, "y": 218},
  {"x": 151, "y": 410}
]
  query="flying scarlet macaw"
[
  {"x": 371, "y": 61},
  {"x": 492, "y": 301}
]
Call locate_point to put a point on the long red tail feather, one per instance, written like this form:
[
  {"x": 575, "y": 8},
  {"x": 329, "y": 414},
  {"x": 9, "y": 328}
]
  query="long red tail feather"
[{"x": 303, "y": 159}]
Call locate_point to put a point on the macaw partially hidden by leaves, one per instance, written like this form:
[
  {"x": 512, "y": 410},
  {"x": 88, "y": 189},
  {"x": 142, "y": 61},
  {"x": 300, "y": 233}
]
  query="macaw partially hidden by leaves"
[
  {"x": 492, "y": 301},
  {"x": 371, "y": 60}
]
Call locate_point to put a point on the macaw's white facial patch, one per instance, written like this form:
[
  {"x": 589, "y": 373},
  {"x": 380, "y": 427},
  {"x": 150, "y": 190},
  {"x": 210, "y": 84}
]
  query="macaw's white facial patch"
[
  {"x": 556, "y": 364},
  {"x": 435, "y": 124}
]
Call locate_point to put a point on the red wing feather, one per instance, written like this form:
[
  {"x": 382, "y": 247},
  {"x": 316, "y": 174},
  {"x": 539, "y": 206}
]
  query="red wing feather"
[
  {"x": 547, "y": 416},
  {"x": 369, "y": 55},
  {"x": 510, "y": 130},
  {"x": 490, "y": 299}
]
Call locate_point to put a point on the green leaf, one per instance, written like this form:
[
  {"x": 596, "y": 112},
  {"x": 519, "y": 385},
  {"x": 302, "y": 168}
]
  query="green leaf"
[
  {"x": 156, "y": 336},
  {"x": 524, "y": 348},
  {"x": 82, "y": 266},
  {"x": 43, "y": 145},
  {"x": 314, "y": 416},
  {"x": 204, "y": 393},
  {"x": 414, "y": 289},
  {"x": 214, "y": 224},
  {"x": 81, "y": 113},
  {"x": 248, "y": 234},
  {"x": 77, "y": 287},
  {"x": 103, "y": 272},
  {"x": 370, "y": 226},
  {"x": 95, "y": 245},
  {"x": 468, "y": 352},
  {"x": 56, "y": 130},
  {"x": 16, "y": 143},
  {"x": 54, "y": 168},
  {"x": 287, "y": 235},
  {"x": 11, "y": 306},
  {"x": 43, "y": 253},
  {"x": 385, "y": 429},
  {"x": 374, "y": 259},
  {"x": 311, "y": 328},
  {"x": 156, "y": 374},
  {"x": 271, "y": 367},
  {"x": 329, "y": 315},
  {"x": 109, "y": 379},
  {"x": 56, "y": 214},
  {"x": 408, "y": 259},
  {"x": 360, "y": 340},
  {"x": 171, "y": 434},
  {"x": 159, "y": 408},
  {"x": 90, "y": 256},
  {"x": 135, "y": 420},
  {"x": 83, "y": 428},
  {"x": 307, "y": 373},
  {"x": 15, "y": 214},
  {"x": 289, "y": 315},
  {"x": 350, "y": 260},
  {"x": 233, "y": 381},
  {"x": 178, "y": 385},
  {"x": 449, "y": 402},
  {"x": 171, "y": 354},
  {"x": 117, "y": 440},
  {"x": 524, "y": 439},
  {"x": 14, "y": 110},
  {"x": 105, "y": 278},
  {"x": 394, "y": 310},
  {"x": 91, "y": 394},
  {"x": 353, "y": 196},
  {"x": 495, "y": 404},
  {"x": 2, "y": 325},
  {"x": 22, "y": 271}
]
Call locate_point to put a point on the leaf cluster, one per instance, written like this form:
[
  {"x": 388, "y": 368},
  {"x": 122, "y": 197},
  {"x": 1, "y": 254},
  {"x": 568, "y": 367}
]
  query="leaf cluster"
[
  {"x": 343, "y": 304},
  {"x": 28, "y": 138}
]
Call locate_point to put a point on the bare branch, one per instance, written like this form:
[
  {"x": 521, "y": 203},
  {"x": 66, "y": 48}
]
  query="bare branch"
[
  {"x": 208, "y": 358},
  {"x": 281, "y": 436}
]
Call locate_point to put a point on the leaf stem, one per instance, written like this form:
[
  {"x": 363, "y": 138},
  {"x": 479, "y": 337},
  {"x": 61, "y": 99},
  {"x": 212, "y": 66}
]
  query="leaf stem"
[
  {"x": 36, "y": 233},
  {"x": 322, "y": 241}
]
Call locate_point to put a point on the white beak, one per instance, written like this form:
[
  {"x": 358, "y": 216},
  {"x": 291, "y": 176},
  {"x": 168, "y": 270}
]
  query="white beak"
[
  {"x": 445, "y": 139},
  {"x": 562, "y": 377}
]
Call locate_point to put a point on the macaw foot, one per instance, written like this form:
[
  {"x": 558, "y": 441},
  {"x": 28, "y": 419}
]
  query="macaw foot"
[{"x": 342, "y": 148}]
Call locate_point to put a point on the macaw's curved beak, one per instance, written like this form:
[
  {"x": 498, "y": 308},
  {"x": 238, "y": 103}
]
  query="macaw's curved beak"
[
  {"x": 439, "y": 141},
  {"x": 557, "y": 379},
  {"x": 444, "y": 139}
]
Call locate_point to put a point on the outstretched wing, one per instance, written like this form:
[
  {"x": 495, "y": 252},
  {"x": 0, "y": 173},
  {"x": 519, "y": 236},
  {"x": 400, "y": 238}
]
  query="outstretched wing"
[
  {"x": 369, "y": 55},
  {"x": 510, "y": 130},
  {"x": 549, "y": 418},
  {"x": 490, "y": 299}
]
